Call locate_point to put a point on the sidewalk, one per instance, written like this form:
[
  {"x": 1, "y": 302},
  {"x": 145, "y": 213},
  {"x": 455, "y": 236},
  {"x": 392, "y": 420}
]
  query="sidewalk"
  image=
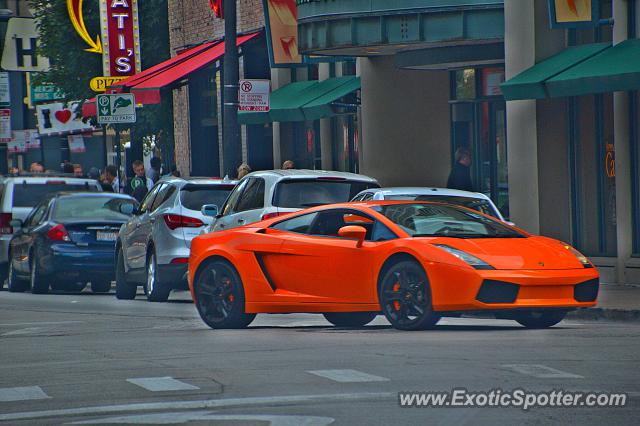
[{"x": 615, "y": 302}]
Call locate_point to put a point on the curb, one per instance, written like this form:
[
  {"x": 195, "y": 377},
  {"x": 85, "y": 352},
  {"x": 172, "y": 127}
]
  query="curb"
[{"x": 605, "y": 314}]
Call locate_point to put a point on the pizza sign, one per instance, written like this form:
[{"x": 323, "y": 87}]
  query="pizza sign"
[{"x": 121, "y": 37}]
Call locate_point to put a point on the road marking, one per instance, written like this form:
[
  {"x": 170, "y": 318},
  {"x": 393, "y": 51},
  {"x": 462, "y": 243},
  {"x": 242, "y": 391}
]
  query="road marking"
[
  {"x": 203, "y": 404},
  {"x": 161, "y": 384},
  {"x": 541, "y": 371},
  {"x": 38, "y": 323},
  {"x": 22, "y": 394},
  {"x": 348, "y": 376},
  {"x": 211, "y": 418},
  {"x": 22, "y": 331}
]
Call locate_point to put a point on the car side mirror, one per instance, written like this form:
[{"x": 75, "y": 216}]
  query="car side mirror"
[
  {"x": 127, "y": 209},
  {"x": 16, "y": 223},
  {"x": 210, "y": 210},
  {"x": 353, "y": 231}
]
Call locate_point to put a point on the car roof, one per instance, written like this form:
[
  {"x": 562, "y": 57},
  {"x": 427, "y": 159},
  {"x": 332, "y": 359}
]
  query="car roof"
[
  {"x": 69, "y": 194},
  {"x": 48, "y": 178},
  {"x": 310, "y": 174},
  {"x": 198, "y": 180},
  {"x": 417, "y": 190}
]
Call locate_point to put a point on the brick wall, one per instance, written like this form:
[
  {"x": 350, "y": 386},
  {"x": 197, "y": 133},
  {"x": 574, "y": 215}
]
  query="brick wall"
[{"x": 192, "y": 22}]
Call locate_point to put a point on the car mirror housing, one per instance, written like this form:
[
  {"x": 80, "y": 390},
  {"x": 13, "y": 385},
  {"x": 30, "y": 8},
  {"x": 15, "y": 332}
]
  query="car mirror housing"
[
  {"x": 210, "y": 210},
  {"x": 127, "y": 209},
  {"x": 16, "y": 223},
  {"x": 355, "y": 232}
]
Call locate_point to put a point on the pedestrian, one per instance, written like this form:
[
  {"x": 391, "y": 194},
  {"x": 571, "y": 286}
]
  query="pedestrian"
[
  {"x": 460, "y": 176},
  {"x": 36, "y": 167},
  {"x": 155, "y": 171},
  {"x": 94, "y": 173},
  {"x": 110, "y": 179},
  {"x": 288, "y": 164},
  {"x": 14, "y": 171},
  {"x": 77, "y": 171},
  {"x": 139, "y": 184},
  {"x": 67, "y": 168},
  {"x": 243, "y": 170}
]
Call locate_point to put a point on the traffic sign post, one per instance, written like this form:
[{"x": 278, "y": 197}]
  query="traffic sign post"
[
  {"x": 254, "y": 95},
  {"x": 119, "y": 108}
]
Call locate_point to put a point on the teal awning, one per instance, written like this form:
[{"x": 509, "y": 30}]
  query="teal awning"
[{"x": 303, "y": 100}]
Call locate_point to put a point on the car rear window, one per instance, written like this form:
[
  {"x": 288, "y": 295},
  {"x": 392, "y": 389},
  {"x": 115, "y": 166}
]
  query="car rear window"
[
  {"x": 30, "y": 194},
  {"x": 91, "y": 208},
  {"x": 193, "y": 197},
  {"x": 302, "y": 193}
]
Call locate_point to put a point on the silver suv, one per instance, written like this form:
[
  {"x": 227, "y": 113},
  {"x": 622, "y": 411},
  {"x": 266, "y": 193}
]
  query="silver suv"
[
  {"x": 266, "y": 194},
  {"x": 152, "y": 249},
  {"x": 18, "y": 196}
]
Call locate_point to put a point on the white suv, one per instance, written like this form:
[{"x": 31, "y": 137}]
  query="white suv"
[
  {"x": 266, "y": 194},
  {"x": 18, "y": 196}
]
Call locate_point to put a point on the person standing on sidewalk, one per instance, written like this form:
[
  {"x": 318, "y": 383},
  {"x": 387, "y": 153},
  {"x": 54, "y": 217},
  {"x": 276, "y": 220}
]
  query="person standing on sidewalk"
[
  {"x": 139, "y": 184},
  {"x": 460, "y": 176}
]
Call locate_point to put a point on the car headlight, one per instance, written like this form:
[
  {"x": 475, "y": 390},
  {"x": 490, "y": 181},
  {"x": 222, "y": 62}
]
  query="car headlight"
[
  {"x": 465, "y": 257},
  {"x": 581, "y": 257}
]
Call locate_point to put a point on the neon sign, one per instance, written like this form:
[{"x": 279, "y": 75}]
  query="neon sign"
[{"x": 121, "y": 37}]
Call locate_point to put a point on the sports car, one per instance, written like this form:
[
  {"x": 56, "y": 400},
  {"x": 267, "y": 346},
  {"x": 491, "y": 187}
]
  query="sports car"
[{"x": 414, "y": 262}]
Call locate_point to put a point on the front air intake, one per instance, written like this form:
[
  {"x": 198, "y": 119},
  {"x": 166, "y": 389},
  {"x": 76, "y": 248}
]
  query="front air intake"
[
  {"x": 586, "y": 291},
  {"x": 493, "y": 291}
]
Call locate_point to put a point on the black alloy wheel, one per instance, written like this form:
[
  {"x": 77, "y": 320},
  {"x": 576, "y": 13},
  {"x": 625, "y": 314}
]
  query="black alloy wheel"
[
  {"x": 124, "y": 289},
  {"x": 405, "y": 297},
  {"x": 219, "y": 295},
  {"x": 540, "y": 318},
  {"x": 350, "y": 319}
]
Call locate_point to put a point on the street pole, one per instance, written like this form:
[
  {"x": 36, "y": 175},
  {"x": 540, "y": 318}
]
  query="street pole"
[{"x": 231, "y": 149}]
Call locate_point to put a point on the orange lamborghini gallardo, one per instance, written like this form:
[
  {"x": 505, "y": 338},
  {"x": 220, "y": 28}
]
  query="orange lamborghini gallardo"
[{"x": 415, "y": 262}]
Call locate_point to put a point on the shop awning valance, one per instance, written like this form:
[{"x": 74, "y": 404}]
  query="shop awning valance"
[
  {"x": 304, "y": 100},
  {"x": 532, "y": 83}
]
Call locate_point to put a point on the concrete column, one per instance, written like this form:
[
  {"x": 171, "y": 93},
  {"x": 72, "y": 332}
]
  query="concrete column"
[
  {"x": 325, "y": 127},
  {"x": 624, "y": 224},
  {"x": 522, "y": 155},
  {"x": 360, "y": 138},
  {"x": 279, "y": 77}
]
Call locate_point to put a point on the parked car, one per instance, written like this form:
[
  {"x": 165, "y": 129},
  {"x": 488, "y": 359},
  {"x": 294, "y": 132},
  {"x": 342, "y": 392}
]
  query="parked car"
[
  {"x": 67, "y": 240},
  {"x": 412, "y": 261},
  {"x": 18, "y": 196},
  {"x": 473, "y": 200},
  {"x": 271, "y": 193},
  {"x": 153, "y": 247}
]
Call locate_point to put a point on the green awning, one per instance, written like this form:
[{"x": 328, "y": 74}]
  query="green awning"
[
  {"x": 531, "y": 83},
  {"x": 612, "y": 70},
  {"x": 303, "y": 100}
]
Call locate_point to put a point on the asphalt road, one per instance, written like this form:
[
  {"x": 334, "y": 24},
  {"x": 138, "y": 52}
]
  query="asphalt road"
[{"x": 92, "y": 359}]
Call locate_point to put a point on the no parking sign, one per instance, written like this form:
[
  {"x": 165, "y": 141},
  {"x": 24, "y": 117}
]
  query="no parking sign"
[{"x": 254, "y": 95}]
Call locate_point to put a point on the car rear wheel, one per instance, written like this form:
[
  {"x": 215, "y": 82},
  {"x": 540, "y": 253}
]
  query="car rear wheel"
[
  {"x": 349, "y": 319},
  {"x": 124, "y": 289},
  {"x": 405, "y": 297},
  {"x": 39, "y": 283},
  {"x": 156, "y": 292},
  {"x": 15, "y": 284},
  {"x": 101, "y": 286},
  {"x": 219, "y": 295},
  {"x": 540, "y": 319}
]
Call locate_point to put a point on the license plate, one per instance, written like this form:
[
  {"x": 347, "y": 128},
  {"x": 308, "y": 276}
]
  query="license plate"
[{"x": 106, "y": 236}]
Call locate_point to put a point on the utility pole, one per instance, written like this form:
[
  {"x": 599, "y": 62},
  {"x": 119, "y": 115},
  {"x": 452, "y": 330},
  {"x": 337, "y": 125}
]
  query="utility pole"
[{"x": 231, "y": 149}]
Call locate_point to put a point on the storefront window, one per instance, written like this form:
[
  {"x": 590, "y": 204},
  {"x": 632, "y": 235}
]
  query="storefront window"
[
  {"x": 465, "y": 84},
  {"x": 345, "y": 143}
]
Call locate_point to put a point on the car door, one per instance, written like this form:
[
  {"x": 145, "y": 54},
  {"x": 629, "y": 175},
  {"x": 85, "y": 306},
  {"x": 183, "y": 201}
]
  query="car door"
[
  {"x": 134, "y": 240},
  {"x": 228, "y": 211},
  {"x": 23, "y": 238},
  {"x": 251, "y": 203},
  {"x": 324, "y": 267}
]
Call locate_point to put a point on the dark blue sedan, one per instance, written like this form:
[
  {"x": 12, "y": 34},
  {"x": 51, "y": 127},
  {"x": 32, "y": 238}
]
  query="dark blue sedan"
[{"x": 67, "y": 240}]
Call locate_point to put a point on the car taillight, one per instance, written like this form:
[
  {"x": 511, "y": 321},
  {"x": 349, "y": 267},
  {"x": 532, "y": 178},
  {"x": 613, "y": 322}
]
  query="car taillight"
[
  {"x": 58, "y": 233},
  {"x": 175, "y": 221},
  {"x": 179, "y": 260},
  {"x": 274, "y": 214},
  {"x": 5, "y": 223}
]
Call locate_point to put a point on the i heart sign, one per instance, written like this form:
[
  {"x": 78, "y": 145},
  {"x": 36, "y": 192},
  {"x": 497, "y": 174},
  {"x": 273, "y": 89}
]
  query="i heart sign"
[{"x": 63, "y": 115}]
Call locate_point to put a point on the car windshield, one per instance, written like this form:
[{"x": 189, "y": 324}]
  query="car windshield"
[
  {"x": 91, "y": 208},
  {"x": 439, "y": 220},
  {"x": 193, "y": 197},
  {"x": 303, "y": 193},
  {"x": 479, "y": 204},
  {"x": 30, "y": 194}
]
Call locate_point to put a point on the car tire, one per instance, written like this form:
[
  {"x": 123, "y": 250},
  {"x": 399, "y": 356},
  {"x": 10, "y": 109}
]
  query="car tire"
[
  {"x": 219, "y": 296},
  {"x": 350, "y": 319},
  {"x": 101, "y": 286},
  {"x": 39, "y": 283},
  {"x": 541, "y": 318},
  {"x": 405, "y": 297},
  {"x": 15, "y": 284},
  {"x": 154, "y": 289},
  {"x": 124, "y": 289}
]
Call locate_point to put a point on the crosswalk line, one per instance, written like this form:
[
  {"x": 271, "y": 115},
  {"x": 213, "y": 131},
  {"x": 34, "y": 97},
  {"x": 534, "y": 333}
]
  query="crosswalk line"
[
  {"x": 541, "y": 371},
  {"x": 348, "y": 376},
  {"x": 161, "y": 384},
  {"x": 22, "y": 394}
]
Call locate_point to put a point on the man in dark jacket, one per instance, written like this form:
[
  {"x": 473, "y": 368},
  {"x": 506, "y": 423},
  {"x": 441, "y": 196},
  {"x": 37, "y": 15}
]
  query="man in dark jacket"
[{"x": 460, "y": 176}]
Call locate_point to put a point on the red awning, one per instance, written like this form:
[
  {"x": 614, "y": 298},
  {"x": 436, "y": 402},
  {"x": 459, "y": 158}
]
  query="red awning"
[
  {"x": 89, "y": 108},
  {"x": 147, "y": 90}
]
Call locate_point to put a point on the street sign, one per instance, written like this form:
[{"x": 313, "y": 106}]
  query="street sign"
[
  {"x": 45, "y": 93},
  {"x": 100, "y": 84},
  {"x": 254, "y": 95},
  {"x": 20, "y": 47},
  {"x": 119, "y": 108},
  {"x": 5, "y": 125},
  {"x": 5, "y": 94}
]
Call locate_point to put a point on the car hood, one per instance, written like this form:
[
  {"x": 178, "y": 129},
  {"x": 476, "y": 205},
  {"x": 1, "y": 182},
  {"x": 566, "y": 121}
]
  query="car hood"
[{"x": 516, "y": 253}]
